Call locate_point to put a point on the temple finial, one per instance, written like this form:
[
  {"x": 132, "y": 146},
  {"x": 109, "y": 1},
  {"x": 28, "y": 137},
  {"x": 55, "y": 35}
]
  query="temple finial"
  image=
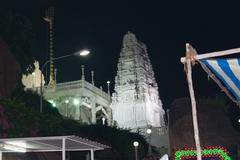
[
  {"x": 83, "y": 76},
  {"x": 92, "y": 74}
]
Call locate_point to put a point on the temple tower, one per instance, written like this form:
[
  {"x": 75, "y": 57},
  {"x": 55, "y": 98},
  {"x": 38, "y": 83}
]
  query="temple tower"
[{"x": 135, "y": 101}]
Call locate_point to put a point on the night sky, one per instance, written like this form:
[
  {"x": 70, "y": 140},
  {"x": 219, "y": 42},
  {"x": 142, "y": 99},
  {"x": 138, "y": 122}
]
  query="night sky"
[{"x": 163, "y": 26}]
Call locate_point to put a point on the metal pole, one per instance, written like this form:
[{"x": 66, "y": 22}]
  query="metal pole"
[
  {"x": 63, "y": 149},
  {"x": 92, "y": 154},
  {"x": 41, "y": 84},
  {"x": 149, "y": 145},
  {"x": 0, "y": 155},
  {"x": 41, "y": 94},
  {"x": 136, "y": 153},
  {"x": 42, "y": 68},
  {"x": 66, "y": 109},
  {"x": 80, "y": 110}
]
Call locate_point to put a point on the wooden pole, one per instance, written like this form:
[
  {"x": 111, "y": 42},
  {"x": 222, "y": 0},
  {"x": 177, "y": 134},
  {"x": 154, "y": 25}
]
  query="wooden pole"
[
  {"x": 196, "y": 57},
  {"x": 189, "y": 53},
  {"x": 92, "y": 154},
  {"x": 213, "y": 54}
]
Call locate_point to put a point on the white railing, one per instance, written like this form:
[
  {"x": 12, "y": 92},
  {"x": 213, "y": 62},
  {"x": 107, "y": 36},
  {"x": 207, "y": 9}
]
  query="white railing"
[{"x": 79, "y": 84}]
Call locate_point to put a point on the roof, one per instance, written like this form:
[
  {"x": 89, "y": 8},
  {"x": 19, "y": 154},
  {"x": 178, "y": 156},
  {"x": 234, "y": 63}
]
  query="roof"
[{"x": 49, "y": 144}]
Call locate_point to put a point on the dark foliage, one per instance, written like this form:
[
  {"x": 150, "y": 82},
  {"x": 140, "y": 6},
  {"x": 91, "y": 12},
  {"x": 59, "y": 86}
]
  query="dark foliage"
[
  {"x": 17, "y": 32},
  {"x": 20, "y": 117}
]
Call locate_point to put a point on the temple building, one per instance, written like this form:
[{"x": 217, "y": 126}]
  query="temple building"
[
  {"x": 135, "y": 101},
  {"x": 136, "y": 104},
  {"x": 79, "y": 100}
]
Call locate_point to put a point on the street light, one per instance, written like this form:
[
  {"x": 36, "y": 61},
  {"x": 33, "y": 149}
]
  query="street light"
[
  {"x": 80, "y": 53},
  {"x": 33, "y": 79},
  {"x": 149, "y": 132},
  {"x": 136, "y": 144},
  {"x": 84, "y": 52},
  {"x": 66, "y": 102}
]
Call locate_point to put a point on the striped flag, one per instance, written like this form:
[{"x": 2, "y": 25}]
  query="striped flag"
[{"x": 228, "y": 71}]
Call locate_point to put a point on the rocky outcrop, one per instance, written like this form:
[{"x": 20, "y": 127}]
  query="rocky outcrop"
[{"x": 215, "y": 127}]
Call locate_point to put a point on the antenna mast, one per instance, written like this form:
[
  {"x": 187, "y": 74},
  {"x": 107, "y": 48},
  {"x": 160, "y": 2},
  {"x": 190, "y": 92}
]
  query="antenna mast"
[{"x": 50, "y": 19}]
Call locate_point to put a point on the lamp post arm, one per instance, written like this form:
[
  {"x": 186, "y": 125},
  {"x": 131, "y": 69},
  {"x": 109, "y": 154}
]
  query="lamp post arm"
[
  {"x": 42, "y": 68},
  {"x": 44, "y": 65},
  {"x": 65, "y": 56}
]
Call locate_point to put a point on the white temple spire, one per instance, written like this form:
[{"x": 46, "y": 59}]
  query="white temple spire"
[{"x": 136, "y": 102}]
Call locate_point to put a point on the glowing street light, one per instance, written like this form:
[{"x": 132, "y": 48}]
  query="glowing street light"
[
  {"x": 66, "y": 108},
  {"x": 54, "y": 104},
  {"x": 80, "y": 53},
  {"x": 33, "y": 79},
  {"x": 66, "y": 101},
  {"x": 76, "y": 101},
  {"x": 149, "y": 132},
  {"x": 83, "y": 52},
  {"x": 108, "y": 87},
  {"x": 136, "y": 144}
]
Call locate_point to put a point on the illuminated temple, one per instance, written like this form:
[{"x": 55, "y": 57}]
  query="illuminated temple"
[{"x": 135, "y": 103}]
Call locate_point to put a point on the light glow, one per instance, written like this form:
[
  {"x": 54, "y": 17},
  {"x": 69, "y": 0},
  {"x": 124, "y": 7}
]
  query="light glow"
[
  {"x": 50, "y": 101},
  {"x": 84, "y": 52},
  {"x": 14, "y": 148},
  {"x": 205, "y": 152},
  {"x": 54, "y": 104},
  {"x": 135, "y": 144},
  {"x": 76, "y": 101},
  {"x": 149, "y": 131},
  {"x": 66, "y": 101},
  {"x": 18, "y": 143}
]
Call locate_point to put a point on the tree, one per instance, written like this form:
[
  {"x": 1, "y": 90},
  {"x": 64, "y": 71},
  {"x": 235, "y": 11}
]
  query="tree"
[
  {"x": 16, "y": 31},
  {"x": 20, "y": 117}
]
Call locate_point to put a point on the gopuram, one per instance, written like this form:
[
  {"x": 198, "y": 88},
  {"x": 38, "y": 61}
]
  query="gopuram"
[{"x": 136, "y": 104}]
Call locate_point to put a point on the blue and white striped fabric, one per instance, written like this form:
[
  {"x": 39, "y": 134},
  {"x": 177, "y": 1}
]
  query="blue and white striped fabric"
[{"x": 228, "y": 71}]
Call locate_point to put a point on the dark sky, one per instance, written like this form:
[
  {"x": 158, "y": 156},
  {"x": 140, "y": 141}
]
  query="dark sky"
[{"x": 164, "y": 26}]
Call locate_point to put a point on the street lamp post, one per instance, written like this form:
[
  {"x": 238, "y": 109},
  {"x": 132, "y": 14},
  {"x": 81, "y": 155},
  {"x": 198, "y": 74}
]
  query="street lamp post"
[
  {"x": 66, "y": 110},
  {"x": 80, "y": 53},
  {"x": 149, "y": 132},
  {"x": 136, "y": 144}
]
